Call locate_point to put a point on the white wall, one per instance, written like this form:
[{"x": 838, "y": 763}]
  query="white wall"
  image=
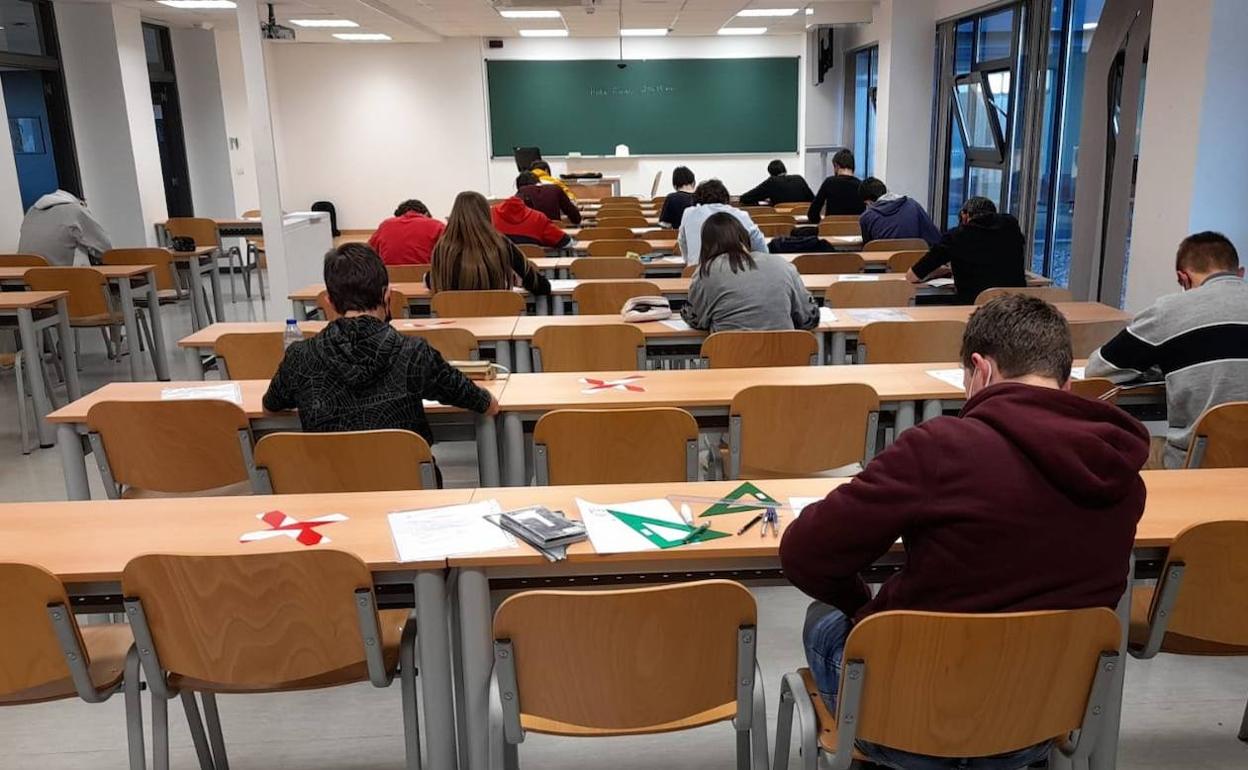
[
  {"x": 242, "y": 160},
  {"x": 203, "y": 122},
  {"x": 10, "y": 194}
]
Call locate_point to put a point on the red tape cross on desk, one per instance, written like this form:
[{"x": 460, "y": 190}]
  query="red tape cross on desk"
[
  {"x": 282, "y": 525},
  {"x": 624, "y": 383}
]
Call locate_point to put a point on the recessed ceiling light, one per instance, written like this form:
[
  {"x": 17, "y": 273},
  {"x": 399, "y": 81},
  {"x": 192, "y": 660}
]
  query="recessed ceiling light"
[
  {"x": 362, "y": 37},
  {"x": 767, "y": 12},
  {"x": 644, "y": 32},
  {"x": 543, "y": 33},
  {"x": 743, "y": 30},
  {"x": 810, "y": 11},
  {"x": 329, "y": 23},
  {"x": 530, "y": 14},
  {"x": 199, "y": 4}
]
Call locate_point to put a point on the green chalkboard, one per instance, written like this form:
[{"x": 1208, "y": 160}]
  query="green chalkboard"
[{"x": 660, "y": 107}]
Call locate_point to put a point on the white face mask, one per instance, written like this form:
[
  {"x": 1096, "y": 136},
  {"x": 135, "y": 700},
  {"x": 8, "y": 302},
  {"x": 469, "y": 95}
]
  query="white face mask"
[{"x": 987, "y": 382}]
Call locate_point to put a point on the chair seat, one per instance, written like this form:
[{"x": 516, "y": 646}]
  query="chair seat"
[
  {"x": 1141, "y": 600},
  {"x": 100, "y": 319},
  {"x": 106, "y": 646},
  {"x": 229, "y": 490},
  {"x": 391, "y": 622},
  {"x": 163, "y": 296}
]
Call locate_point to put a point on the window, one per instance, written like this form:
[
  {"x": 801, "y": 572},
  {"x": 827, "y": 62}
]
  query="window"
[
  {"x": 23, "y": 27},
  {"x": 866, "y": 65}
]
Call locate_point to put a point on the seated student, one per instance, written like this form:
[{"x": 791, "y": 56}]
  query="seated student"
[
  {"x": 408, "y": 237},
  {"x": 838, "y": 195},
  {"x": 541, "y": 170},
  {"x": 549, "y": 199},
  {"x": 521, "y": 224},
  {"x": 675, "y": 203},
  {"x": 985, "y": 251},
  {"x": 710, "y": 198},
  {"x": 58, "y": 227},
  {"x": 889, "y": 215},
  {"x": 360, "y": 373},
  {"x": 736, "y": 289},
  {"x": 473, "y": 255},
  {"x": 779, "y": 187},
  {"x": 1027, "y": 501},
  {"x": 1196, "y": 339}
]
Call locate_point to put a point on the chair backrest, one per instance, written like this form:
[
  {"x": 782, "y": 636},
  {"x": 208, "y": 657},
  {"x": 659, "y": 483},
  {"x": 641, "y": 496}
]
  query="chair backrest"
[
  {"x": 622, "y": 220},
  {"x": 251, "y": 214},
  {"x": 1046, "y": 293},
  {"x": 896, "y": 244},
  {"x": 608, "y": 297},
  {"x": 782, "y": 431},
  {"x": 251, "y": 355},
  {"x": 160, "y": 259},
  {"x": 830, "y": 263},
  {"x": 531, "y": 250},
  {"x": 953, "y": 685},
  {"x": 1086, "y": 337},
  {"x": 1094, "y": 388},
  {"x": 746, "y": 349},
  {"x": 616, "y": 446},
  {"x": 869, "y": 294},
  {"x": 452, "y": 344},
  {"x": 1212, "y": 601},
  {"x": 1220, "y": 438},
  {"x": 774, "y": 219},
  {"x": 356, "y": 461},
  {"x": 605, "y": 234},
  {"x": 902, "y": 261},
  {"x": 654, "y": 188},
  {"x": 911, "y": 342},
  {"x": 407, "y": 273},
  {"x": 794, "y": 208},
  {"x": 620, "y": 247},
  {"x": 568, "y": 647},
  {"x": 752, "y": 210},
  {"x": 22, "y": 260},
  {"x": 774, "y": 230},
  {"x": 607, "y": 267},
  {"x": 615, "y": 212},
  {"x": 476, "y": 304},
  {"x": 689, "y": 271},
  {"x": 255, "y": 620},
  {"x": 399, "y": 307},
  {"x": 658, "y": 234},
  {"x": 632, "y": 199},
  {"x": 203, "y": 231},
  {"x": 833, "y": 227},
  {"x": 30, "y": 655},
  {"x": 599, "y": 348},
  {"x": 175, "y": 447},
  {"x": 87, "y": 287}
]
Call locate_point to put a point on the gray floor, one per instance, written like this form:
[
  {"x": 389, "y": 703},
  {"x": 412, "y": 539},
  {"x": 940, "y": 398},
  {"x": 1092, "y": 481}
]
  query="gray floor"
[{"x": 1179, "y": 712}]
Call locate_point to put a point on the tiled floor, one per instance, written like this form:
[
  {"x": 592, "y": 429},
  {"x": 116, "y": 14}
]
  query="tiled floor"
[{"x": 1179, "y": 713}]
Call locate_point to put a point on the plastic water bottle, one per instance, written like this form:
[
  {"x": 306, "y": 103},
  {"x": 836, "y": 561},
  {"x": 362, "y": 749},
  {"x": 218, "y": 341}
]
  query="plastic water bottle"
[{"x": 292, "y": 333}]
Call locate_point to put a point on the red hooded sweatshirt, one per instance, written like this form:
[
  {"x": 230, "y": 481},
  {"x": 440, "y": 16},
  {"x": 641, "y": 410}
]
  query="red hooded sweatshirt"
[
  {"x": 514, "y": 219},
  {"x": 1027, "y": 501}
]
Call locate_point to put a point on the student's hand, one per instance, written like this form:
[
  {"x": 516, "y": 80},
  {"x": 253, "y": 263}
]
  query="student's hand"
[{"x": 493, "y": 408}]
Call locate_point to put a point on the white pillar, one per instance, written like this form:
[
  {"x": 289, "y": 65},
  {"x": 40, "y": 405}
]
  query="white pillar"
[
  {"x": 903, "y": 152},
  {"x": 203, "y": 122},
  {"x": 10, "y": 194}
]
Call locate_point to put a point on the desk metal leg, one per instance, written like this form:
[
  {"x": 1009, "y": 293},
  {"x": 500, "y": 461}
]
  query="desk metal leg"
[
  {"x": 905, "y": 416},
  {"x": 194, "y": 363},
  {"x": 132, "y": 328},
  {"x": 513, "y": 449},
  {"x": 1105, "y": 755},
  {"x": 542, "y": 305},
  {"x": 556, "y": 304},
  {"x": 838, "y": 348},
  {"x": 73, "y": 462},
  {"x": 524, "y": 357},
  {"x": 487, "y": 451},
  {"x": 502, "y": 353},
  {"x": 69, "y": 350},
  {"x": 932, "y": 408},
  {"x": 32, "y": 350},
  {"x": 476, "y": 662},
  {"x": 214, "y": 278},
  {"x": 160, "y": 356},
  {"x": 434, "y": 645},
  {"x": 822, "y": 349},
  {"x": 297, "y": 310},
  {"x": 199, "y": 312}
]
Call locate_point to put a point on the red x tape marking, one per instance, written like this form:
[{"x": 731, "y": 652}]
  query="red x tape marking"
[
  {"x": 283, "y": 525},
  {"x": 596, "y": 385}
]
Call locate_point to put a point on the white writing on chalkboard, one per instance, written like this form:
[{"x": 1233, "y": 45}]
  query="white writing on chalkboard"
[{"x": 646, "y": 90}]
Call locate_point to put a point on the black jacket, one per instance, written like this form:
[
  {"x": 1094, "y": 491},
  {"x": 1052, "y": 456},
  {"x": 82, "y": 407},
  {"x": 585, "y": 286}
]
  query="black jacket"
[
  {"x": 674, "y": 206},
  {"x": 985, "y": 253},
  {"x": 838, "y": 195},
  {"x": 361, "y": 374},
  {"x": 782, "y": 188}
]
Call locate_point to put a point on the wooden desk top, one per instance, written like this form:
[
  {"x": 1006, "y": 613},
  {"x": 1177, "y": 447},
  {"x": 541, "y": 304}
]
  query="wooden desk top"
[
  {"x": 253, "y": 396},
  {"x": 415, "y": 290},
  {"x": 491, "y": 328},
  {"x": 528, "y": 325},
  {"x": 22, "y": 300},
  {"x": 111, "y": 272}
]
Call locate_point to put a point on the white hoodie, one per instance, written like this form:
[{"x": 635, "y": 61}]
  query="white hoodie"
[{"x": 57, "y": 226}]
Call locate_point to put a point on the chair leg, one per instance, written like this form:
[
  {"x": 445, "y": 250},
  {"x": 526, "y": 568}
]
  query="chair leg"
[
  {"x": 1243, "y": 726},
  {"x": 160, "y": 732},
  {"x": 108, "y": 345},
  {"x": 145, "y": 328},
  {"x": 511, "y": 756},
  {"x": 411, "y": 709},
  {"x": 22, "y": 421},
  {"x": 229, "y": 260},
  {"x": 758, "y": 724},
  {"x": 198, "y": 737},
  {"x": 260, "y": 278},
  {"x": 134, "y": 711},
  {"x": 213, "y": 718},
  {"x": 743, "y": 750},
  {"x": 791, "y": 689}
]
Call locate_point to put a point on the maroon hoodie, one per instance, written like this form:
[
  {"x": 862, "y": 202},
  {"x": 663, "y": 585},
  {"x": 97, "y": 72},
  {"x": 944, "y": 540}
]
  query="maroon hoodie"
[{"x": 1027, "y": 501}]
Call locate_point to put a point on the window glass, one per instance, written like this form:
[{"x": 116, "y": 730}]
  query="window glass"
[
  {"x": 19, "y": 28},
  {"x": 985, "y": 182},
  {"x": 957, "y": 178},
  {"x": 995, "y": 39},
  {"x": 865, "y": 66},
  {"x": 963, "y": 47},
  {"x": 973, "y": 113},
  {"x": 151, "y": 45}
]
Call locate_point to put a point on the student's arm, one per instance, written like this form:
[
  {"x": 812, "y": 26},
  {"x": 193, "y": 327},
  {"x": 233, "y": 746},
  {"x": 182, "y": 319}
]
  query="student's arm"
[
  {"x": 682, "y": 239},
  {"x": 758, "y": 242},
  {"x": 935, "y": 258},
  {"x": 809, "y": 194},
  {"x": 552, "y": 235},
  {"x": 91, "y": 235},
  {"x": 1128, "y": 356},
  {"x": 802, "y": 307},
  {"x": 433, "y": 378},
  {"x": 280, "y": 397},
  {"x": 815, "y": 213},
  {"x": 666, "y": 214},
  {"x": 757, "y": 195},
  {"x": 569, "y": 208},
  {"x": 694, "y": 311},
  {"x": 533, "y": 281}
]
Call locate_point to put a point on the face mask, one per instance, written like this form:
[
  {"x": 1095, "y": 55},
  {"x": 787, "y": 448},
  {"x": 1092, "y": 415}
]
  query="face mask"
[{"x": 987, "y": 382}]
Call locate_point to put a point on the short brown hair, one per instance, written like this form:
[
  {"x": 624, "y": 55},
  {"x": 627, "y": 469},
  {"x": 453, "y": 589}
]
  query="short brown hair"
[
  {"x": 1024, "y": 335},
  {"x": 1207, "y": 252},
  {"x": 356, "y": 278}
]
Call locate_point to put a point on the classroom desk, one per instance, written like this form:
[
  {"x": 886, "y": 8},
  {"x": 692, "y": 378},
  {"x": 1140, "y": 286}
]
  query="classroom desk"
[
  {"x": 125, "y": 278},
  {"x": 838, "y": 242},
  {"x": 71, "y": 422},
  {"x": 22, "y": 305}
]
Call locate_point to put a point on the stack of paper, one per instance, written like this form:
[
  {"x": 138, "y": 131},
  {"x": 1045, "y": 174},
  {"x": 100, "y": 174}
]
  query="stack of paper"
[
  {"x": 436, "y": 533},
  {"x": 858, "y": 277},
  {"x": 826, "y": 316},
  {"x": 677, "y": 324},
  {"x": 227, "y": 391},
  {"x": 940, "y": 283},
  {"x": 887, "y": 314}
]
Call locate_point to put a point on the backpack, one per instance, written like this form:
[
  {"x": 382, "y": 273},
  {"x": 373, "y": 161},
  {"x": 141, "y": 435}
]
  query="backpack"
[{"x": 799, "y": 244}]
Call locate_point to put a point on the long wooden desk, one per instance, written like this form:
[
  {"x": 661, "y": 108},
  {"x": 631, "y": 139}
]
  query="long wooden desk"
[{"x": 55, "y": 304}]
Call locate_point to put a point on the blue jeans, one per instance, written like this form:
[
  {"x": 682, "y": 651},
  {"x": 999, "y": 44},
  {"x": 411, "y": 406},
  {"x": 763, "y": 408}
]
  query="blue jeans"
[{"x": 824, "y": 636}]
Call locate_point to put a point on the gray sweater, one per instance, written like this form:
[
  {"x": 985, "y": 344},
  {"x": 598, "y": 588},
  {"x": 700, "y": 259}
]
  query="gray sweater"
[
  {"x": 1197, "y": 341},
  {"x": 769, "y": 297},
  {"x": 58, "y": 226}
]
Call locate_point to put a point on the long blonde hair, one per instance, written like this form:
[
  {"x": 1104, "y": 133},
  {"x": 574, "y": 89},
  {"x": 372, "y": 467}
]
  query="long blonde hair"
[{"x": 471, "y": 254}]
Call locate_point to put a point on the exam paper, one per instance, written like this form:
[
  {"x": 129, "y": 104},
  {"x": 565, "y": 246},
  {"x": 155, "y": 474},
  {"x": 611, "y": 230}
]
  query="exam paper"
[
  {"x": 677, "y": 324},
  {"x": 563, "y": 284},
  {"x": 1077, "y": 373},
  {"x": 436, "y": 533},
  {"x": 826, "y": 316},
  {"x": 798, "y": 503},
  {"x": 868, "y": 316},
  {"x": 858, "y": 277},
  {"x": 610, "y": 535},
  {"x": 940, "y": 283},
  {"x": 229, "y": 391},
  {"x": 951, "y": 376}
]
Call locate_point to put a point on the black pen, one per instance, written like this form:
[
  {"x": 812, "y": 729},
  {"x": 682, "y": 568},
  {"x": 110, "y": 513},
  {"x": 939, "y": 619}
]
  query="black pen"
[
  {"x": 749, "y": 524},
  {"x": 689, "y": 537}
]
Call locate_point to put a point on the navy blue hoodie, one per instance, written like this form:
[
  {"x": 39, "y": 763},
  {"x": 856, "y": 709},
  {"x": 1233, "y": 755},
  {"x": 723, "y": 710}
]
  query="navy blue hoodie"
[{"x": 897, "y": 217}]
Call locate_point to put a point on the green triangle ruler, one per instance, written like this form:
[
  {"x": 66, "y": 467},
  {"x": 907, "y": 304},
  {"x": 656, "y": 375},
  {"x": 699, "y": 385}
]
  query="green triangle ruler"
[
  {"x": 744, "y": 494},
  {"x": 664, "y": 534}
]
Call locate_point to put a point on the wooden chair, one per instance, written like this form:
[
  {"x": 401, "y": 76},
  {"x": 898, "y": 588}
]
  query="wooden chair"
[
  {"x": 746, "y": 349},
  {"x": 351, "y": 461},
  {"x": 689, "y": 271},
  {"x": 451, "y": 344},
  {"x": 22, "y": 260},
  {"x": 830, "y": 227},
  {"x": 1085, "y": 338},
  {"x": 774, "y": 219},
  {"x": 165, "y": 268},
  {"x": 831, "y": 263},
  {"x": 90, "y": 304},
  {"x": 531, "y": 250},
  {"x": 1046, "y": 293},
  {"x": 843, "y": 294},
  {"x": 617, "y": 212},
  {"x": 902, "y": 261},
  {"x": 896, "y": 244},
  {"x": 599, "y": 348},
  {"x": 658, "y": 234},
  {"x": 1095, "y": 388},
  {"x": 410, "y": 273},
  {"x": 628, "y": 199},
  {"x": 399, "y": 306},
  {"x": 607, "y": 267},
  {"x": 619, "y": 248},
  {"x": 206, "y": 235},
  {"x": 910, "y": 342},
  {"x": 931, "y": 683},
  {"x": 775, "y": 230},
  {"x": 609, "y": 297},
  {"x": 623, "y": 220},
  {"x": 196, "y": 448},
  {"x": 1220, "y": 438},
  {"x": 558, "y": 655},
  {"x": 262, "y": 623},
  {"x": 788, "y": 431},
  {"x": 615, "y": 446},
  {"x": 794, "y": 208},
  {"x": 757, "y": 210},
  {"x": 657, "y": 201},
  {"x": 605, "y": 234},
  {"x": 249, "y": 355},
  {"x": 476, "y": 304}
]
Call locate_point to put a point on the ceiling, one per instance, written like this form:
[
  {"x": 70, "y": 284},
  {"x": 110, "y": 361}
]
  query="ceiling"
[{"x": 427, "y": 20}]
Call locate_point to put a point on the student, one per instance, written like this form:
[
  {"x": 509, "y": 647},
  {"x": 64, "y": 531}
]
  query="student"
[
  {"x": 1197, "y": 340},
  {"x": 711, "y": 197},
  {"x": 58, "y": 226},
  {"x": 675, "y": 203},
  {"x": 736, "y": 289},
  {"x": 408, "y": 237},
  {"x": 546, "y": 198},
  {"x": 985, "y": 251},
  {"x": 839, "y": 193},
  {"x": 521, "y": 224},
  {"x": 889, "y": 215},
  {"x": 1027, "y": 501},
  {"x": 471, "y": 254},
  {"x": 541, "y": 170},
  {"x": 779, "y": 187},
  {"x": 359, "y": 373}
]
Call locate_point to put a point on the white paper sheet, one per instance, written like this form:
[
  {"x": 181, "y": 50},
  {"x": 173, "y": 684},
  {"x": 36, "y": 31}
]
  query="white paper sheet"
[
  {"x": 677, "y": 324},
  {"x": 868, "y": 316},
  {"x": 940, "y": 283},
  {"x": 1078, "y": 373},
  {"x": 610, "y": 535},
  {"x": 229, "y": 391},
  {"x": 844, "y": 239},
  {"x": 436, "y": 533},
  {"x": 951, "y": 376},
  {"x": 826, "y": 316},
  {"x": 798, "y": 503},
  {"x": 858, "y": 277},
  {"x": 563, "y": 284}
]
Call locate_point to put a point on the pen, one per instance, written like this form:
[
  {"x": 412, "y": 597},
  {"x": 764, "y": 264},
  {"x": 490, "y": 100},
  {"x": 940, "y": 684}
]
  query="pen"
[
  {"x": 749, "y": 524},
  {"x": 689, "y": 537}
]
